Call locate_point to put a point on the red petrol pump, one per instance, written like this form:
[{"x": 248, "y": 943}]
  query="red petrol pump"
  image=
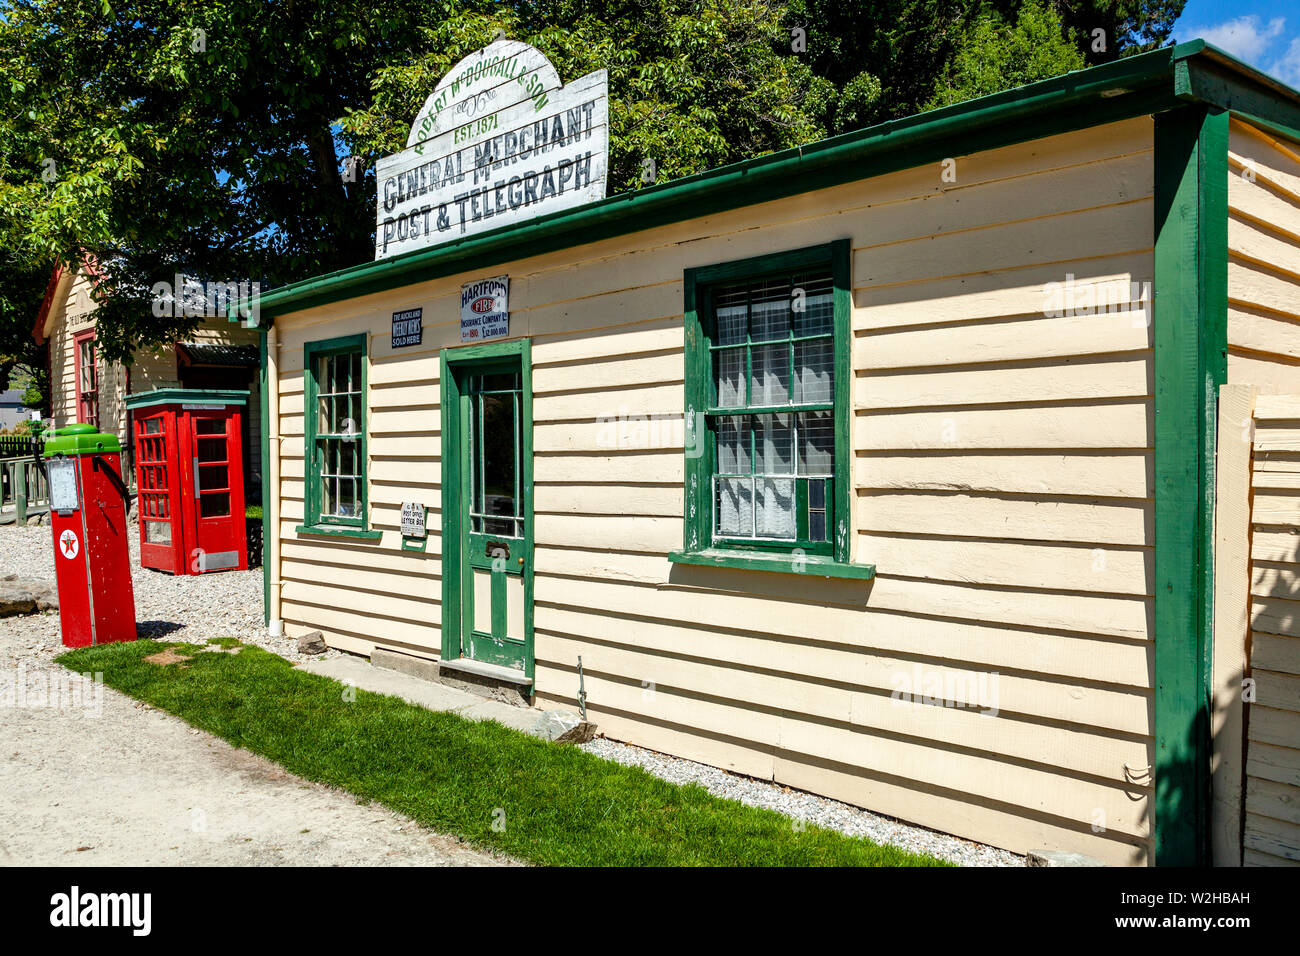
[{"x": 92, "y": 561}]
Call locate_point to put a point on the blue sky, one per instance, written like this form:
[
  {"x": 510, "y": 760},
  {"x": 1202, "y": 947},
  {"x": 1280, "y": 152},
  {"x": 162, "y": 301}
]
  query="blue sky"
[{"x": 1265, "y": 35}]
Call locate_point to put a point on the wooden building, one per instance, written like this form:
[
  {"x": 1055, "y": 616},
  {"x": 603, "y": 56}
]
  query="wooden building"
[
  {"x": 85, "y": 387},
  {"x": 882, "y": 468}
]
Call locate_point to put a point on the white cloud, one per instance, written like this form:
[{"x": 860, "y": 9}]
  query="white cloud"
[
  {"x": 1244, "y": 37},
  {"x": 1287, "y": 67}
]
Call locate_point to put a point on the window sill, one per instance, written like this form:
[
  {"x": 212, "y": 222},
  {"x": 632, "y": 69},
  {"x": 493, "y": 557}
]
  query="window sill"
[
  {"x": 815, "y": 565},
  {"x": 339, "y": 532}
]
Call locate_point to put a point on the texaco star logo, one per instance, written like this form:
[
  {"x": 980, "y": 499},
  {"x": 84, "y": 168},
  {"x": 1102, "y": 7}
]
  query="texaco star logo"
[{"x": 68, "y": 545}]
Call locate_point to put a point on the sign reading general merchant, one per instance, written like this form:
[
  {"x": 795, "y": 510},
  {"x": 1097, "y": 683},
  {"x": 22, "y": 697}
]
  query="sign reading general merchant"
[{"x": 499, "y": 141}]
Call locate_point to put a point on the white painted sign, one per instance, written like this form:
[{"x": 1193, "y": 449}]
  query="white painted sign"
[
  {"x": 68, "y": 543},
  {"x": 485, "y": 309},
  {"x": 499, "y": 141},
  {"x": 413, "y": 519}
]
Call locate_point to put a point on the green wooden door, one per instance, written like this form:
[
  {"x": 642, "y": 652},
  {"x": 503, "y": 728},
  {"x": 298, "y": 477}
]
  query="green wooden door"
[{"x": 495, "y": 541}]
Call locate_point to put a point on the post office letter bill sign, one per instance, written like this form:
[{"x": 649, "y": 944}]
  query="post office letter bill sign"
[
  {"x": 499, "y": 141},
  {"x": 485, "y": 309}
]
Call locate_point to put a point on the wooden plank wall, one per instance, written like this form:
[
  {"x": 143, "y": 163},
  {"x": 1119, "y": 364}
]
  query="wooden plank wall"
[
  {"x": 1263, "y": 261},
  {"x": 1002, "y": 461},
  {"x": 1272, "y": 812}
]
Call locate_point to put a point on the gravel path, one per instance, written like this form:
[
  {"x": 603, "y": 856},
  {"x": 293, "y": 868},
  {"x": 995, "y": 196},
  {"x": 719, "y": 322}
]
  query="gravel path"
[
  {"x": 821, "y": 811},
  {"x": 124, "y": 784}
]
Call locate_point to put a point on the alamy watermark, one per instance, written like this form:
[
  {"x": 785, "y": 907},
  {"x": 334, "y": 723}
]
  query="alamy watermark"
[
  {"x": 43, "y": 689},
  {"x": 190, "y": 298},
  {"x": 1061, "y": 299},
  {"x": 947, "y": 688}
]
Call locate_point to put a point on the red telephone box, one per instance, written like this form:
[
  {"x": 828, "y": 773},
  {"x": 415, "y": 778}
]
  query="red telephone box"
[
  {"x": 190, "y": 479},
  {"x": 92, "y": 563}
]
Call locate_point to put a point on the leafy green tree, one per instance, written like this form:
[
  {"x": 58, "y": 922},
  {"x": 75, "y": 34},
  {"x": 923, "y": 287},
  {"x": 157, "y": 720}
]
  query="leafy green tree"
[
  {"x": 996, "y": 55},
  {"x": 205, "y": 136}
]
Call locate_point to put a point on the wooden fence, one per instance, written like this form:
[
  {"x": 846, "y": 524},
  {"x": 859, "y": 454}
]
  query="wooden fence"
[{"x": 23, "y": 487}]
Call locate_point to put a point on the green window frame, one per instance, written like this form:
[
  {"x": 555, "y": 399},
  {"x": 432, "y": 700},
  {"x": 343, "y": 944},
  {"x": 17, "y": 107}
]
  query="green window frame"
[
  {"x": 761, "y": 335},
  {"x": 337, "y": 497}
]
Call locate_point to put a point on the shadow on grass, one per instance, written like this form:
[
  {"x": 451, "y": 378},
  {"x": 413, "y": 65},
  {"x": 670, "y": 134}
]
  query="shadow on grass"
[{"x": 497, "y": 788}]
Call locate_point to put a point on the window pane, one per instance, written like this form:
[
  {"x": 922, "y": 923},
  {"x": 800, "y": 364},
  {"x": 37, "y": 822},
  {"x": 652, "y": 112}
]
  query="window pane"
[
  {"x": 814, "y": 364},
  {"x": 770, "y": 379},
  {"x": 499, "y": 455},
  {"x": 774, "y": 445},
  {"x": 774, "y": 508},
  {"x": 733, "y": 445},
  {"x": 817, "y": 317},
  {"x": 771, "y": 312},
  {"x": 732, "y": 312},
  {"x": 816, "y": 444},
  {"x": 734, "y": 507},
  {"x": 214, "y": 505},
  {"x": 729, "y": 369}
]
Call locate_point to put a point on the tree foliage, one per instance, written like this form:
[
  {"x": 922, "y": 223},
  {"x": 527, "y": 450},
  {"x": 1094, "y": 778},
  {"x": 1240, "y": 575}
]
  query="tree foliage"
[{"x": 206, "y": 136}]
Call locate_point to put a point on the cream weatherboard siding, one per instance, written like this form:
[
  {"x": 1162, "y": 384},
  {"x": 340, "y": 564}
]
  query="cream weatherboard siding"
[
  {"x": 1002, "y": 463},
  {"x": 1272, "y": 809},
  {"x": 1263, "y": 261}
]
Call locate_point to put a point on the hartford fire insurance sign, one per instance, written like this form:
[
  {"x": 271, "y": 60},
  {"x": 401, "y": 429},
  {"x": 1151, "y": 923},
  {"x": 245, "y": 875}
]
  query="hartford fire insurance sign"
[
  {"x": 485, "y": 309},
  {"x": 498, "y": 142}
]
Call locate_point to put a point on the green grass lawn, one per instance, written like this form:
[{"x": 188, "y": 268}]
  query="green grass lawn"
[{"x": 495, "y": 787}]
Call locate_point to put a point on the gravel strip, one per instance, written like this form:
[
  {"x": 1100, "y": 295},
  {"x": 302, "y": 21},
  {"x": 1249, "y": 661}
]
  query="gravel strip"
[
  {"x": 821, "y": 811},
  {"x": 193, "y": 608}
]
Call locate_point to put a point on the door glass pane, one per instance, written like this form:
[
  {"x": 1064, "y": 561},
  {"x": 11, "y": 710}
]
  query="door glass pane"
[
  {"x": 212, "y": 476},
  {"x": 495, "y": 505},
  {"x": 210, "y": 426},
  {"x": 214, "y": 505}
]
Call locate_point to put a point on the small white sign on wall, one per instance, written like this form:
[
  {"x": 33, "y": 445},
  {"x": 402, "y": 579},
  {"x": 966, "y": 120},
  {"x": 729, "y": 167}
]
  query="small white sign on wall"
[
  {"x": 413, "y": 519},
  {"x": 485, "y": 309}
]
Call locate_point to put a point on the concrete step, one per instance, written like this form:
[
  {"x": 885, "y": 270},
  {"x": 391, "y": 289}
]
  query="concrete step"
[{"x": 435, "y": 695}]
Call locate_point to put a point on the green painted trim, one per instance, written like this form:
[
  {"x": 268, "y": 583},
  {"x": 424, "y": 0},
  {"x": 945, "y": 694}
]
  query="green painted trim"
[
  {"x": 1129, "y": 87},
  {"x": 264, "y": 410},
  {"x": 1269, "y": 126},
  {"x": 1220, "y": 81},
  {"x": 177, "y": 396},
  {"x": 696, "y": 283},
  {"x": 812, "y": 565},
  {"x": 451, "y": 361},
  {"x": 311, "y": 491},
  {"x": 1190, "y": 316},
  {"x": 338, "y": 531},
  {"x": 842, "y": 277}
]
